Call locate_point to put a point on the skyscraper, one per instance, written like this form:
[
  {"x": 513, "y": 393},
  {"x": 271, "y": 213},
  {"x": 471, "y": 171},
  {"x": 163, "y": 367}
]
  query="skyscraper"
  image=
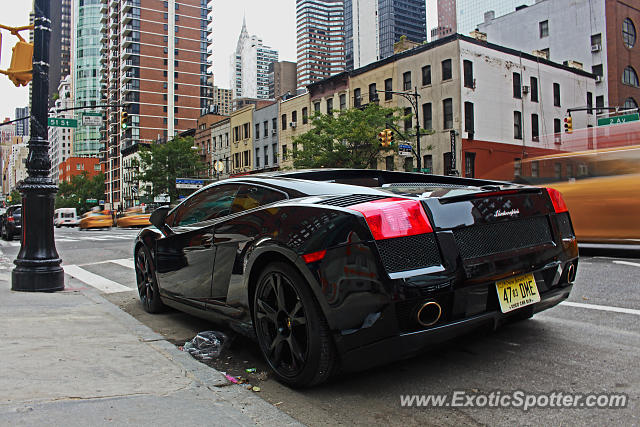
[
  {"x": 22, "y": 126},
  {"x": 60, "y": 44},
  {"x": 154, "y": 62},
  {"x": 86, "y": 72},
  {"x": 250, "y": 66},
  {"x": 320, "y": 39},
  {"x": 373, "y": 26}
]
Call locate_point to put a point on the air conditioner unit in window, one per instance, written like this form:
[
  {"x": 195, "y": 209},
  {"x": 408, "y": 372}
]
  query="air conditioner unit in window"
[
  {"x": 598, "y": 79},
  {"x": 273, "y": 131},
  {"x": 293, "y": 124},
  {"x": 525, "y": 89},
  {"x": 595, "y": 47}
]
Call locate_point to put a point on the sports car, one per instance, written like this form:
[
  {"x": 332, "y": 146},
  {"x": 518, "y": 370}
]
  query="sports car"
[{"x": 347, "y": 269}]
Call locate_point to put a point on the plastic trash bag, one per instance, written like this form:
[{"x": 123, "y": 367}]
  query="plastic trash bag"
[{"x": 206, "y": 345}]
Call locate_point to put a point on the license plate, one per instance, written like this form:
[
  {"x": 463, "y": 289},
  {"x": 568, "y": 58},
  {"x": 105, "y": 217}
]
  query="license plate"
[{"x": 517, "y": 292}]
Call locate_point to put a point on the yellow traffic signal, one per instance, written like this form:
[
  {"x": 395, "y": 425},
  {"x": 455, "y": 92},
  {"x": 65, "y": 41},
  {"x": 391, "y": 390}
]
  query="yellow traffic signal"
[
  {"x": 20, "y": 70},
  {"x": 389, "y": 137},
  {"x": 568, "y": 124},
  {"x": 124, "y": 116},
  {"x": 382, "y": 137}
]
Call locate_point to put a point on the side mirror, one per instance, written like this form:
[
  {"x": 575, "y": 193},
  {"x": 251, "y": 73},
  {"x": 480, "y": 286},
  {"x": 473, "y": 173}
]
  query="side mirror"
[{"x": 158, "y": 216}]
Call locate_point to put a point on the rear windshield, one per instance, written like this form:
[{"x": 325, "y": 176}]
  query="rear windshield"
[{"x": 67, "y": 215}]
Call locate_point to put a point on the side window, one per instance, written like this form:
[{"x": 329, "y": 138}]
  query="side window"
[
  {"x": 209, "y": 204},
  {"x": 252, "y": 196}
]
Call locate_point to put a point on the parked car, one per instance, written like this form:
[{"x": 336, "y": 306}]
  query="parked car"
[
  {"x": 95, "y": 220},
  {"x": 355, "y": 268},
  {"x": 65, "y": 217},
  {"x": 11, "y": 222}
]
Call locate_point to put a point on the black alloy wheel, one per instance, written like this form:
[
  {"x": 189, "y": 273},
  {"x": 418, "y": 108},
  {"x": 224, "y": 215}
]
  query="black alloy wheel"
[
  {"x": 147, "y": 284},
  {"x": 292, "y": 332}
]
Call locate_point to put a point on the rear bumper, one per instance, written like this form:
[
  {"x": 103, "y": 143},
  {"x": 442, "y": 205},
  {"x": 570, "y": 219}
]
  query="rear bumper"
[{"x": 407, "y": 344}]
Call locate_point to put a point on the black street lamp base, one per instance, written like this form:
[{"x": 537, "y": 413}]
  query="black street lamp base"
[{"x": 39, "y": 279}]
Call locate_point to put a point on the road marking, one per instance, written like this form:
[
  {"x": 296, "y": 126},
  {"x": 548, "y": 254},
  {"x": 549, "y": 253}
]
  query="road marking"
[
  {"x": 634, "y": 264},
  {"x": 13, "y": 244},
  {"x": 601, "y": 307},
  {"x": 105, "y": 285},
  {"x": 126, "y": 262}
]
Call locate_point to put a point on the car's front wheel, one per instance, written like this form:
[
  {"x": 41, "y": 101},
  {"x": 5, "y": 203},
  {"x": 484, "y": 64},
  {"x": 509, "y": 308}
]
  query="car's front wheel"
[
  {"x": 147, "y": 283},
  {"x": 291, "y": 329}
]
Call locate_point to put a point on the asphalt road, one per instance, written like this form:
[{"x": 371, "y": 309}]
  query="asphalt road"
[{"x": 588, "y": 346}]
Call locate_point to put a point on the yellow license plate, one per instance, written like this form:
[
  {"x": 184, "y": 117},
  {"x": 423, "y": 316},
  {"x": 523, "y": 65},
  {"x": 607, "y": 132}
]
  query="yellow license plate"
[{"x": 517, "y": 292}]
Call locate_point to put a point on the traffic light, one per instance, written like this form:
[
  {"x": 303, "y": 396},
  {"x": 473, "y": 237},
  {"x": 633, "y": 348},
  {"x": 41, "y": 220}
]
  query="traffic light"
[
  {"x": 568, "y": 124},
  {"x": 382, "y": 137},
  {"x": 19, "y": 71},
  {"x": 389, "y": 137},
  {"x": 124, "y": 116}
]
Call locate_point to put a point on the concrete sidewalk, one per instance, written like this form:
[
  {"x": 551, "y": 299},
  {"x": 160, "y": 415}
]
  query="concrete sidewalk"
[{"x": 73, "y": 358}]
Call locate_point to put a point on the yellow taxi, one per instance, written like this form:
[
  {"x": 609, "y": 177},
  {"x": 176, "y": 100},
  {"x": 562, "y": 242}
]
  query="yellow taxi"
[
  {"x": 95, "y": 220},
  {"x": 134, "y": 218}
]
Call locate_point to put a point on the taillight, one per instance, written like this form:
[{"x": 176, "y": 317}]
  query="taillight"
[
  {"x": 558, "y": 202},
  {"x": 394, "y": 217},
  {"x": 10, "y": 218},
  {"x": 314, "y": 256}
]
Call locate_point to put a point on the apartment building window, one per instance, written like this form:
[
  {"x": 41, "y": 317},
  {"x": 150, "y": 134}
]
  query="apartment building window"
[
  {"x": 408, "y": 120},
  {"x": 535, "y": 127},
  {"x": 257, "y": 130},
  {"x": 517, "y": 86},
  {"x": 305, "y": 116},
  {"x": 470, "y": 165},
  {"x": 468, "y": 118},
  {"x": 284, "y": 122},
  {"x": 533, "y": 81},
  {"x": 388, "y": 87},
  {"x": 517, "y": 125},
  {"x": 294, "y": 116},
  {"x": 257, "y": 157},
  {"x": 389, "y": 163},
  {"x": 284, "y": 152},
  {"x": 427, "y": 116},
  {"x": 406, "y": 81},
  {"x": 597, "y": 70},
  {"x": 468, "y": 73},
  {"x": 373, "y": 94},
  {"x": 628, "y": 33},
  {"x": 589, "y": 102},
  {"x": 274, "y": 152},
  {"x": 446, "y": 69},
  {"x": 629, "y": 77},
  {"x": 329, "y": 105},
  {"x": 544, "y": 28},
  {"x": 265, "y": 128},
  {"x": 556, "y": 94},
  {"x": 266, "y": 157},
  {"x": 357, "y": 100},
  {"x": 343, "y": 101},
  {"x": 426, "y": 75},
  {"x": 408, "y": 164},
  {"x": 447, "y": 113},
  {"x": 427, "y": 163},
  {"x": 246, "y": 131},
  {"x": 557, "y": 130}
]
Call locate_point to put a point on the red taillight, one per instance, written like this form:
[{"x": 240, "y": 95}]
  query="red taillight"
[
  {"x": 10, "y": 219},
  {"x": 314, "y": 256},
  {"x": 558, "y": 202},
  {"x": 394, "y": 217}
]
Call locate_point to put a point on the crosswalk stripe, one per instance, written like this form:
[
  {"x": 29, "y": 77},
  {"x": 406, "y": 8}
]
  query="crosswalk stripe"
[
  {"x": 103, "y": 284},
  {"x": 123, "y": 262}
]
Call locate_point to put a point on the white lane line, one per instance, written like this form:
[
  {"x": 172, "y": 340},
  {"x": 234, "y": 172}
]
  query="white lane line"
[
  {"x": 66, "y": 240},
  {"x": 105, "y": 285},
  {"x": 634, "y": 264},
  {"x": 123, "y": 262},
  {"x": 602, "y": 307}
]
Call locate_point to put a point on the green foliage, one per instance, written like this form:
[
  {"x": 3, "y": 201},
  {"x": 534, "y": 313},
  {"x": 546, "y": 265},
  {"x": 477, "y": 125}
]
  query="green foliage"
[
  {"x": 161, "y": 164},
  {"x": 16, "y": 198},
  {"x": 74, "y": 194},
  {"x": 345, "y": 139}
]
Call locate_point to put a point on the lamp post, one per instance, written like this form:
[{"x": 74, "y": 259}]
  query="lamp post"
[{"x": 38, "y": 264}]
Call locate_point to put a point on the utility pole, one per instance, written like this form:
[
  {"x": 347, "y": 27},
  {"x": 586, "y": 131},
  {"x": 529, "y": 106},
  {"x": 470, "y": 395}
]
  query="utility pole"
[{"x": 38, "y": 263}]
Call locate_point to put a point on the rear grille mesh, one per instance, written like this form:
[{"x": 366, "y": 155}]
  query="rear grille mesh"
[
  {"x": 409, "y": 253},
  {"x": 352, "y": 199},
  {"x": 490, "y": 239},
  {"x": 564, "y": 225}
]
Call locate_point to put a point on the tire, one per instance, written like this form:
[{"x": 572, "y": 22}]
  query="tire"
[
  {"x": 291, "y": 329},
  {"x": 147, "y": 282}
]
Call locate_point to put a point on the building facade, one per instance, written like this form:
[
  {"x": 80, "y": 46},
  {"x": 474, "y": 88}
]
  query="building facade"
[
  {"x": 154, "y": 62},
  {"x": 220, "y": 147},
  {"x": 250, "y": 66},
  {"x": 222, "y": 99},
  {"x": 265, "y": 137},
  {"x": 320, "y": 39},
  {"x": 22, "y": 126},
  {"x": 203, "y": 141},
  {"x": 61, "y": 138},
  {"x": 73, "y": 166},
  {"x": 241, "y": 147},
  {"x": 294, "y": 120},
  {"x": 282, "y": 79},
  {"x": 60, "y": 44}
]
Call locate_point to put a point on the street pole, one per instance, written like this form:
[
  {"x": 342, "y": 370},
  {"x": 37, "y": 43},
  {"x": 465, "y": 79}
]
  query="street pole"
[
  {"x": 38, "y": 263},
  {"x": 419, "y": 156}
]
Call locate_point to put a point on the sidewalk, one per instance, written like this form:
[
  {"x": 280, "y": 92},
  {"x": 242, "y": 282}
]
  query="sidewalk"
[{"x": 73, "y": 358}]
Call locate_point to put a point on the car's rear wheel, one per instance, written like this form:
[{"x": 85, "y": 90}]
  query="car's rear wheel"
[
  {"x": 147, "y": 283},
  {"x": 291, "y": 329}
]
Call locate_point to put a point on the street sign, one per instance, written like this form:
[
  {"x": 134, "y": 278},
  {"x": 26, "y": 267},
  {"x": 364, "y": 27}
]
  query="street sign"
[
  {"x": 101, "y": 202},
  {"x": 162, "y": 198},
  {"x": 62, "y": 123},
  {"x": 91, "y": 119},
  {"x": 92, "y": 200},
  {"x": 189, "y": 183},
  {"x": 616, "y": 120},
  {"x": 404, "y": 150}
]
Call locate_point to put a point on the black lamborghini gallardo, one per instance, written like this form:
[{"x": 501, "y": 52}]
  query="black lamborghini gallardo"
[{"x": 346, "y": 269}]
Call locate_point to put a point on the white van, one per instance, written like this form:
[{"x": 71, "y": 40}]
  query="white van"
[{"x": 65, "y": 216}]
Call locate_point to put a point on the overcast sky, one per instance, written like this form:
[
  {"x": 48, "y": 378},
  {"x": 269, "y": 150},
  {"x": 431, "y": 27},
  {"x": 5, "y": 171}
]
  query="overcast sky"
[{"x": 273, "y": 20}]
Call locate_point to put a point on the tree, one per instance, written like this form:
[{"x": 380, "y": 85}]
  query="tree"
[
  {"x": 74, "y": 194},
  {"x": 15, "y": 198},
  {"x": 345, "y": 139},
  {"x": 161, "y": 164}
]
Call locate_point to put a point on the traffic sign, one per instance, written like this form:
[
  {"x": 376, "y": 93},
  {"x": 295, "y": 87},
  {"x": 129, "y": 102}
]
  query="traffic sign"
[
  {"x": 404, "y": 150},
  {"x": 91, "y": 119},
  {"x": 62, "y": 123},
  {"x": 616, "y": 120},
  {"x": 92, "y": 200},
  {"x": 189, "y": 183}
]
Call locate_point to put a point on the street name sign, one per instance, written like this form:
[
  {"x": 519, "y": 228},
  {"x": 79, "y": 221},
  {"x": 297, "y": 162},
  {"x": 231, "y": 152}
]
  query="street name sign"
[
  {"x": 62, "y": 123},
  {"x": 189, "y": 183},
  {"x": 616, "y": 120},
  {"x": 91, "y": 119}
]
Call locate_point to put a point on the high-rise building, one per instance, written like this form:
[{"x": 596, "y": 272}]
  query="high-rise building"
[
  {"x": 222, "y": 99},
  {"x": 61, "y": 138},
  {"x": 320, "y": 39},
  {"x": 282, "y": 79},
  {"x": 86, "y": 73},
  {"x": 155, "y": 64},
  {"x": 250, "y": 66},
  {"x": 22, "y": 126},
  {"x": 60, "y": 44},
  {"x": 373, "y": 26},
  {"x": 463, "y": 16}
]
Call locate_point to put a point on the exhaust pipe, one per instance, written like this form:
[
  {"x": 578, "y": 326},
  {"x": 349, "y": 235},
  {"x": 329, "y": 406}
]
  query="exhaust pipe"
[
  {"x": 571, "y": 271},
  {"x": 429, "y": 313}
]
